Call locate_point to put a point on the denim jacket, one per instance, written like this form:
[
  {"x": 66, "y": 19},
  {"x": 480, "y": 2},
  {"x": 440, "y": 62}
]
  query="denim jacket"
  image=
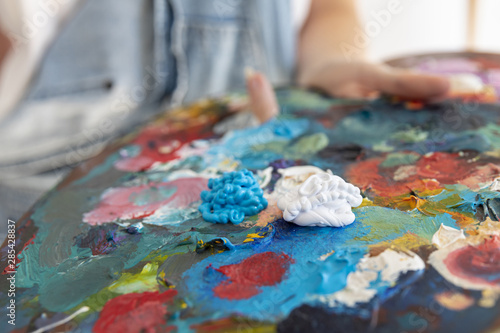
[{"x": 115, "y": 61}]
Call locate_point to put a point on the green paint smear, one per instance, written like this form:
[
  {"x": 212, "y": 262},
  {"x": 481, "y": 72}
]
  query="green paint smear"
[
  {"x": 383, "y": 147},
  {"x": 137, "y": 283},
  {"x": 305, "y": 146},
  {"x": 387, "y": 224},
  {"x": 300, "y": 99},
  {"x": 491, "y": 131},
  {"x": 396, "y": 159},
  {"x": 274, "y": 146},
  {"x": 309, "y": 145},
  {"x": 410, "y": 135}
]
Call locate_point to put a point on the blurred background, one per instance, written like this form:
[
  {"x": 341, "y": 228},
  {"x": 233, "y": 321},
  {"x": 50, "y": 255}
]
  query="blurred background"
[
  {"x": 432, "y": 26},
  {"x": 419, "y": 27}
]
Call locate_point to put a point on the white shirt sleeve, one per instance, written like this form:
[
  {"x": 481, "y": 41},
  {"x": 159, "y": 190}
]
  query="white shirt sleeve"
[{"x": 300, "y": 10}]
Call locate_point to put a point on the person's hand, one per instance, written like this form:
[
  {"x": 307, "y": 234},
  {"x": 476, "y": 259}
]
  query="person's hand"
[
  {"x": 353, "y": 80},
  {"x": 361, "y": 79},
  {"x": 5, "y": 46}
]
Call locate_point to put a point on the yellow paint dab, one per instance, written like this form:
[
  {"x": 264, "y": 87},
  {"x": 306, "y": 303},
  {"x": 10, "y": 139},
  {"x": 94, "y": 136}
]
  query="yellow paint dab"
[
  {"x": 252, "y": 237},
  {"x": 255, "y": 236},
  {"x": 408, "y": 241},
  {"x": 324, "y": 256},
  {"x": 365, "y": 203},
  {"x": 489, "y": 298},
  {"x": 454, "y": 301}
]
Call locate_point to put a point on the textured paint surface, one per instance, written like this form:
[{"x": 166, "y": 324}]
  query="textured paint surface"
[{"x": 123, "y": 236}]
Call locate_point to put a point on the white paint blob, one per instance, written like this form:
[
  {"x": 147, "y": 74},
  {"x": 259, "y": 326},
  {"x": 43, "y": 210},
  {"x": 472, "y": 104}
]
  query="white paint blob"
[
  {"x": 62, "y": 321},
  {"x": 465, "y": 83},
  {"x": 496, "y": 185},
  {"x": 294, "y": 176},
  {"x": 372, "y": 274},
  {"x": 446, "y": 236},
  {"x": 322, "y": 200}
]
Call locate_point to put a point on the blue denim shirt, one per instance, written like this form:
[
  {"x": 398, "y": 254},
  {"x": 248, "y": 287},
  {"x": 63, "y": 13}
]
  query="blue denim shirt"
[{"x": 116, "y": 61}]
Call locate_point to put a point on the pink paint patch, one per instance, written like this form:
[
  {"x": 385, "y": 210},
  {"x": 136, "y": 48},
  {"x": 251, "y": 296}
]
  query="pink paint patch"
[
  {"x": 122, "y": 203},
  {"x": 477, "y": 264},
  {"x": 134, "y": 164}
]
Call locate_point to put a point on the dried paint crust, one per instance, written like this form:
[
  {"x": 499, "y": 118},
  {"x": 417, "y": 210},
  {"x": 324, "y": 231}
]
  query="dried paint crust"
[{"x": 123, "y": 235}]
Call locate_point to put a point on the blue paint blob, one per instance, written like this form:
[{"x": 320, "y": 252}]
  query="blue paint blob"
[{"x": 232, "y": 197}]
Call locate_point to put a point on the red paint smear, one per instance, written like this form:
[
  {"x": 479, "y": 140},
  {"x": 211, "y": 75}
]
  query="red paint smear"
[
  {"x": 431, "y": 171},
  {"x": 115, "y": 203},
  {"x": 445, "y": 167},
  {"x": 17, "y": 260},
  {"x": 154, "y": 139},
  {"x": 482, "y": 174},
  {"x": 145, "y": 312},
  {"x": 261, "y": 269},
  {"x": 477, "y": 264}
]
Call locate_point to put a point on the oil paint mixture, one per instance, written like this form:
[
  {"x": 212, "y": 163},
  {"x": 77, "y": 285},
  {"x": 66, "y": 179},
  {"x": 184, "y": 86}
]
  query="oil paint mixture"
[{"x": 120, "y": 245}]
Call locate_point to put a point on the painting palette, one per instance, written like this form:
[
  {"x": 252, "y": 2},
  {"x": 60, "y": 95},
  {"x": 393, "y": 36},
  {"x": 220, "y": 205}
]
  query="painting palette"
[
  {"x": 482, "y": 68},
  {"x": 119, "y": 245}
]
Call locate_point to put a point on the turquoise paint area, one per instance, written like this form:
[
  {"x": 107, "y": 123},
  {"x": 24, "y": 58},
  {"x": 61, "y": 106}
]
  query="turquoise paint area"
[
  {"x": 83, "y": 277},
  {"x": 335, "y": 269},
  {"x": 64, "y": 273},
  {"x": 82, "y": 273},
  {"x": 469, "y": 199},
  {"x": 395, "y": 128},
  {"x": 491, "y": 133}
]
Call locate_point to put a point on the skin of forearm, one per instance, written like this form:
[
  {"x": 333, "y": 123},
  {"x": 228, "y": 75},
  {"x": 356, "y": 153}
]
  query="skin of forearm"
[{"x": 329, "y": 24}]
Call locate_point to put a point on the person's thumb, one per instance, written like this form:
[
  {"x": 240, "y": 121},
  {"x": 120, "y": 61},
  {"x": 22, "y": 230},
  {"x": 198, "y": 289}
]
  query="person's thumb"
[{"x": 262, "y": 98}]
